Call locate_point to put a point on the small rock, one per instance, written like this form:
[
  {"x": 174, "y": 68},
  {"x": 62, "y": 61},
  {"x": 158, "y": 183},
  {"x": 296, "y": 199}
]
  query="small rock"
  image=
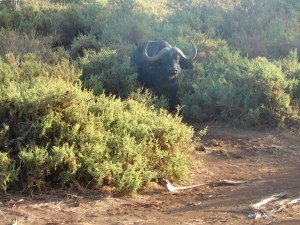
[
  {"x": 76, "y": 203},
  {"x": 200, "y": 148}
]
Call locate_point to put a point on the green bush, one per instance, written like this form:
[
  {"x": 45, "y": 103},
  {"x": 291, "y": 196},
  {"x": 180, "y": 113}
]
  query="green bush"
[
  {"x": 255, "y": 27},
  {"x": 34, "y": 164},
  {"x": 291, "y": 68},
  {"x": 8, "y": 171},
  {"x": 82, "y": 43},
  {"x": 18, "y": 69},
  {"x": 76, "y": 20},
  {"x": 228, "y": 87},
  {"x": 147, "y": 97},
  {"x": 21, "y": 43},
  {"x": 109, "y": 72},
  {"x": 59, "y": 134},
  {"x": 63, "y": 23},
  {"x": 28, "y": 19},
  {"x": 128, "y": 28}
]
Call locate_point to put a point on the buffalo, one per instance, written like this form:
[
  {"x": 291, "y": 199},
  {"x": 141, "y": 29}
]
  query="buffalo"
[{"x": 158, "y": 65}]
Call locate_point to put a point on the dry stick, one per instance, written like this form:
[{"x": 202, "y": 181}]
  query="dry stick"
[
  {"x": 267, "y": 200},
  {"x": 258, "y": 213},
  {"x": 172, "y": 188}
]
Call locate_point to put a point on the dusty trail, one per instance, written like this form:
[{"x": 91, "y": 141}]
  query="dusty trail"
[{"x": 271, "y": 159}]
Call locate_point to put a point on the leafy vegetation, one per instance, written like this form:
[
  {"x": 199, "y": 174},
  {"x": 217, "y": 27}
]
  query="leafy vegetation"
[
  {"x": 58, "y": 134},
  {"x": 71, "y": 110},
  {"x": 228, "y": 87}
]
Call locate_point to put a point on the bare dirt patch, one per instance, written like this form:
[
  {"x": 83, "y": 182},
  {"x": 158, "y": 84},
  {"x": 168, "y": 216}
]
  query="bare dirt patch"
[{"x": 269, "y": 159}]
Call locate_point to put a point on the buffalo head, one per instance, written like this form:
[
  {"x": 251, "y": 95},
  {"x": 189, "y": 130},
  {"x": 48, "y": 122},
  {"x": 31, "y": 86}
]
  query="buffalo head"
[
  {"x": 169, "y": 59},
  {"x": 158, "y": 65}
]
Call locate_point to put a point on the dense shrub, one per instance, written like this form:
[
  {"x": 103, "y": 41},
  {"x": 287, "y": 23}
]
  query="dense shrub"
[
  {"x": 17, "y": 69},
  {"x": 132, "y": 21},
  {"x": 8, "y": 171},
  {"x": 62, "y": 23},
  {"x": 255, "y": 27},
  {"x": 75, "y": 20},
  {"x": 147, "y": 97},
  {"x": 22, "y": 43},
  {"x": 28, "y": 19},
  {"x": 82, "y": 43},
  {"x": 58, "y": 134},
  {"x": 291, "y": 68},
  {"x": 265, "y": 28},
  {"x": 109, "y": 72},
  {"x": 228, "y": 87}
]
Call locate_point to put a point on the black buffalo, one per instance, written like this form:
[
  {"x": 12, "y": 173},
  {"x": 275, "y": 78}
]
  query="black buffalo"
[{"x": 158, "y": 65}]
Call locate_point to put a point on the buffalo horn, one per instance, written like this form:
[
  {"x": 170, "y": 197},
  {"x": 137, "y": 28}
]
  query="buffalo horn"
[
  {"x": 187, "y": 57},
  {"x": 156, "y": 57}
]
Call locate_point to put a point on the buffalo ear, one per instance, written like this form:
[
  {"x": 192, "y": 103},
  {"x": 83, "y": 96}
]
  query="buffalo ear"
[{"x": 184, "y": 64}]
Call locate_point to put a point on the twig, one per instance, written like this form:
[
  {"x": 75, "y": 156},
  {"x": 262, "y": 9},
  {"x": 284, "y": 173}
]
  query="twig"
[{"x": 26, "y": 134}]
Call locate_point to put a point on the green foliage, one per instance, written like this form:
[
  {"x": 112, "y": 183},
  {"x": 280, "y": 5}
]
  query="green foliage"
[
  {"x": 108, "y": 72},
  {"x": 59, "y": 165},
  {"x": 75, "y": 20},
  {"x": 59, "y": 134},
  {"x": 21, "y": 43},
  {"x": 229, "y": 87},
  {"x": 291, "y": 68},
  {"x": 8, "y": 172},
  {"x": 31, "y": 65},
  {"x": 255, "y": 27},
  {"x": 146, "y": 97},
  {"x": 34, "y": 166},
  {"x": 82, "y": 43},
  {"x": 27, "y": 19},
  {"x": 131, "y": 21},
  {"x": 66, "y": 1}
]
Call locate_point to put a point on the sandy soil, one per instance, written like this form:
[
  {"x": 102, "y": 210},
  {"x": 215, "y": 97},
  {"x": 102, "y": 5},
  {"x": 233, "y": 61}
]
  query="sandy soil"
[{"x": 269, "y": 160}]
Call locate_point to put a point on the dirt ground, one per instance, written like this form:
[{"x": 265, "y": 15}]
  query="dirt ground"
[{"x": 269, "y": 160}]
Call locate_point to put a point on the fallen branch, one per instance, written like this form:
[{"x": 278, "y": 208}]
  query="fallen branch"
[
  {"x": 274, "y": 197},
  {"x": 258, "y": 213},
  {"x": 172, "y": 188}
]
